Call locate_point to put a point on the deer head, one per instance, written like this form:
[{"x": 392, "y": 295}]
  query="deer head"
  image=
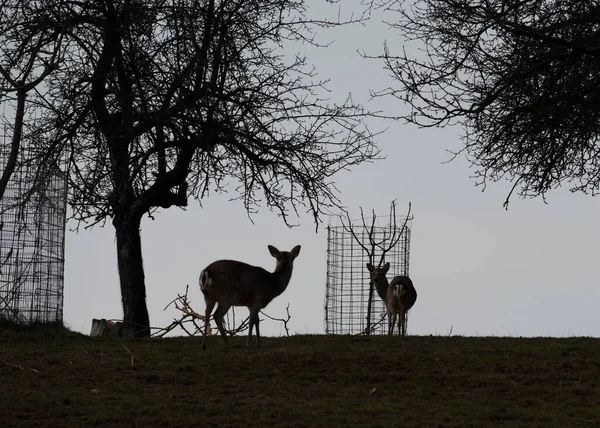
[{"x": 379, "y": 279}]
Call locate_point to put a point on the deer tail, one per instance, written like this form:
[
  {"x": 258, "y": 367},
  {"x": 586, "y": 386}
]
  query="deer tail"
[{"x": 204, "y": 280}]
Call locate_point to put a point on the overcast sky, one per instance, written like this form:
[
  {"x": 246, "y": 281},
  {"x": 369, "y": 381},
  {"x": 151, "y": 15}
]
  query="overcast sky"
[{"x": 478, "y": 269}]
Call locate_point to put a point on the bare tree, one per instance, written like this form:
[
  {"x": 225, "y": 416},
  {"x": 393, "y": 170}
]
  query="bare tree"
[
  {"x": 374, "y": 246},
  {"x": 521, "y": 76},
  {"x": 158, "y": 101}
]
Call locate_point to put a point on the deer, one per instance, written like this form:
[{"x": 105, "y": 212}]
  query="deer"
[
  {"x": 233, "y": 283},
  {"x": 399, "y": 296}
]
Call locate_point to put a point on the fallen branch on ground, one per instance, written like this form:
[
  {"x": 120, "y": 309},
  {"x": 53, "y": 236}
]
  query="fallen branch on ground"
[
  {"x": 18, "y": 366},
  {"x": 183, "y": 305},
  {"x": 130, "y": 353}
]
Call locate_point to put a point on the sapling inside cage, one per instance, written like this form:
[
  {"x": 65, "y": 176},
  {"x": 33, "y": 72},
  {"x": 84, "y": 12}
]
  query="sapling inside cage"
[{"x": 351, "y": 304}]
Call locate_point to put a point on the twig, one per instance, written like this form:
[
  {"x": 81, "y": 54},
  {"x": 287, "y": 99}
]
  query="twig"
[
  {"x": 130, "y": 353},
  {"x": 183, "y": 305},
  {"x": 284, "y": 321},
  {"x": 18, "y": 366},
  {"x": 235, "y": 330},
  {"x": 162, "y": 331},
  {"x": 368, "y": 330}
]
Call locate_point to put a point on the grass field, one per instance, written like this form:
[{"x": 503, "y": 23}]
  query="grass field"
[{"x": 57, "y": 378}]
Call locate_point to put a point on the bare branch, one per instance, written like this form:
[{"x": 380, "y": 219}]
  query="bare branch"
[
  {"x": 282, "y": 320},
  {"x": 521, "y": 77},
  {"x": 182, "y": 304}
]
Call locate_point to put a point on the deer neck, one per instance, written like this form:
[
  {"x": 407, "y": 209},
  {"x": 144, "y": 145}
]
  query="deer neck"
[
  {"x": 281, "y": 277},
  {"x": 381, "y": 287}
]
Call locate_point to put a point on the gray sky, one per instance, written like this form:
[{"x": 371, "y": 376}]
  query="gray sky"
[{"x": 478, "y": 269}]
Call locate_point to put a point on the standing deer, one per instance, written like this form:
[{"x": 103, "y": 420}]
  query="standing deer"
[
  {"x": 232, "y": 283},
  {"x": 399, "y": 296}
]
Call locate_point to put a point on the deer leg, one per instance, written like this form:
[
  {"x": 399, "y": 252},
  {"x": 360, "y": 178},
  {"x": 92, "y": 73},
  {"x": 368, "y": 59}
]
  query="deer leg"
[
  {"x": 219, "y": 314},
  {"x": 253, "y": 323},
  {"x": 402, "y": 322},
  {"x": 250, "y": 327},
  {"x": 256, "y": 324},
  {"x": 209, "y": 307}
]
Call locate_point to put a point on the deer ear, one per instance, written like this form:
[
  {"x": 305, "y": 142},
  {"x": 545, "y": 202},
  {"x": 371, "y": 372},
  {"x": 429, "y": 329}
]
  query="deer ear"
[
  {"x": 295, "y": 251},
  {"x": 370, "y": 267},
  {"x": 274, "y": 251},
  {"x": 386, "y": 267}
]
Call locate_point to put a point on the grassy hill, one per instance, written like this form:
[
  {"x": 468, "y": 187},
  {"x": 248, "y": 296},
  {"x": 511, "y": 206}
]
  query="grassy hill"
[{"x": 57, "y": 378}]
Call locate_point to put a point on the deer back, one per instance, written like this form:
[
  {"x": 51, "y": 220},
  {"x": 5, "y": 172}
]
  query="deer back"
[
  {"x": 408, "y": 294},
  {"x": 238, "y": 284}
]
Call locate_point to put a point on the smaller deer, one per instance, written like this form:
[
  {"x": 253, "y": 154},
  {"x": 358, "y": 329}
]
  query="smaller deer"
[
  {"x": 232, "y": 283},
  {"x": 399, "y": 296}
]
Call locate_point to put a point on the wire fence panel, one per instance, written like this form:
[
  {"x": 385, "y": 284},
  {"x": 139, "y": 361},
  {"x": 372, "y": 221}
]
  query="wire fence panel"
[{"x": 32, "y": 240}]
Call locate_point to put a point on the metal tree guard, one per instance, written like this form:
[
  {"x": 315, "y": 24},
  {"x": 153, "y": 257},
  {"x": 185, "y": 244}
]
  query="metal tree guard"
[
  {"x": 32, "y": 240},
  {"x": 348, "y": 281}
]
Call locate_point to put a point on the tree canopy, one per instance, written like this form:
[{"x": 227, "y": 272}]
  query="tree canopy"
[
  {"x": 28, "y": 56},
  {"x": 521, "y": 76}
]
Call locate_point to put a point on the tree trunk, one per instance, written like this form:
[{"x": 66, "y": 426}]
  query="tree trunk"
[
  {"x": 136, "y": 321},
  {"x": 369, "y": 308},
  {"x": 15, "y": 144}
]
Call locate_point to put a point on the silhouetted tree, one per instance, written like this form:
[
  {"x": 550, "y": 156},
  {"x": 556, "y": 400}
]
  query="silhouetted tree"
[
  {"x": 521, "y": 76},
  {"x": 157, "y": 101}
]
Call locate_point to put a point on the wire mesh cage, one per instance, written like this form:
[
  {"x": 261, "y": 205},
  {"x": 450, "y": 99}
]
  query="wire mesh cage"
[
  {"x": 348, "y": 286},
  {"x": 32, "y": 232}
]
